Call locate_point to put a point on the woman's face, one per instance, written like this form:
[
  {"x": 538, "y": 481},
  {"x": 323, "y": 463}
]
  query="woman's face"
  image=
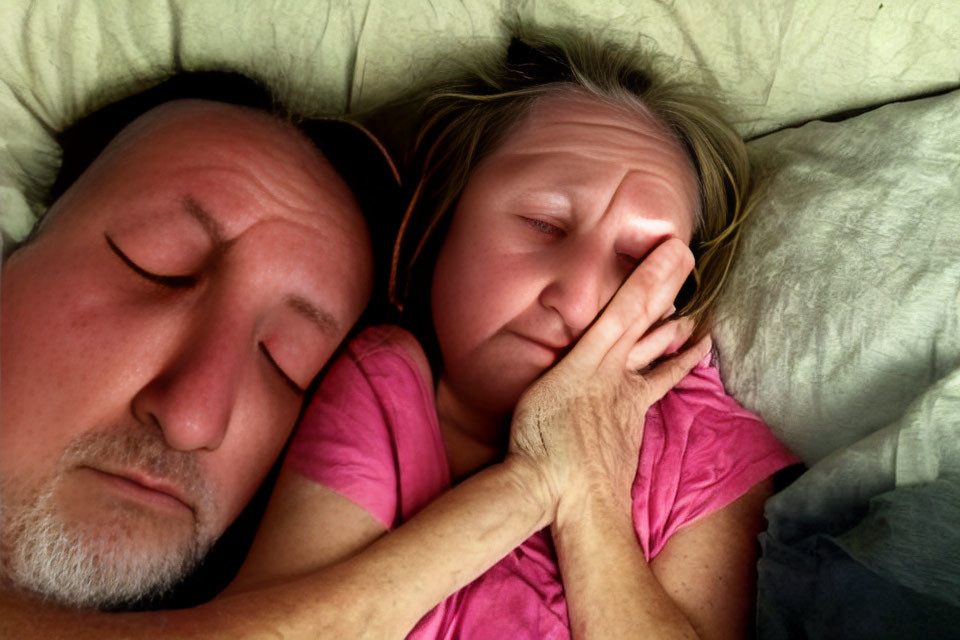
[{"x": 548, "y": 227}]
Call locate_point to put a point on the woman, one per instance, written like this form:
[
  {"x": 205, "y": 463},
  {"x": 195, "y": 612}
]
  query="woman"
[{"x": 546, "y": 185}]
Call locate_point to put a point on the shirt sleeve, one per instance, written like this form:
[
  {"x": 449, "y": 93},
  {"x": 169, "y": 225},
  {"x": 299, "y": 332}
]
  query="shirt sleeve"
[
  {"x": 343, "y": 441},
  {"x": 701, "y": 451}
]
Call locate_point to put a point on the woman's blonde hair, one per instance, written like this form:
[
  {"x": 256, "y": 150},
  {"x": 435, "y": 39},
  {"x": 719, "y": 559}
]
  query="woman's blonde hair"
[{"x": 464, "y": 121}]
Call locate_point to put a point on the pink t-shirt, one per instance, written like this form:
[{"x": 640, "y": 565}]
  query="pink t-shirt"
[{"x": 371, "y": 434}]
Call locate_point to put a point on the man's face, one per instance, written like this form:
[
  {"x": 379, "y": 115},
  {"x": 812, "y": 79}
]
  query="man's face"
[{"x": 157, "y": 338}]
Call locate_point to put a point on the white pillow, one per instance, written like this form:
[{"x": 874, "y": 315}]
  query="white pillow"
[
  {"x": 843, "y": 307},
  {"x": 775, "y": 63}
]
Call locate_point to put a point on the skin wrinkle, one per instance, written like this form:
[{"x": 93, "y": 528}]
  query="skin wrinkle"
[
  {"x": 656, "y": 131},
  {"x": 638, "y": 223},
  {"x": 322, "y": 318},
  {"x": 217, "y": 234},
  {"x": 284, "y": 189},
  {"x": 256, "y": 191},
  {"x": 572, "y": 141}
]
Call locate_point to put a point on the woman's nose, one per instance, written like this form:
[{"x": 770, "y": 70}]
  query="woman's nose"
[{"x": 577, "y": 289}]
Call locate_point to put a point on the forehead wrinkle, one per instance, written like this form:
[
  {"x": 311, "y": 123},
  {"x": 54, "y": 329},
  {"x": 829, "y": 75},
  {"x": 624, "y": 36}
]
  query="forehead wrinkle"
[
  {"x": 272, "y": 160},
  {"x": 324, "y": 202},
  {"x": 574, "y": 133},
  {"x": 665, "y": 187},
  {"x": 250, "y": 199},
  {"x": 300, "y": 171},
  {"x": 622, "y": 127},
  {"x": 613, "y": 149},
  {"x": 650, "y": 129}
]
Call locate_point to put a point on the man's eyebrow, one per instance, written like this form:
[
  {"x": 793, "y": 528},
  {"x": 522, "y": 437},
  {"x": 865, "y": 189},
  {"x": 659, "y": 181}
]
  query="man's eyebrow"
[
  {"x": 322, "y": 318},
  {"x": 207, "y": 221}
]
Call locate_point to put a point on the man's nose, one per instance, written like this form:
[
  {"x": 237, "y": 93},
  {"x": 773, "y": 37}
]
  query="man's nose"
[
  {"x": 577, "y": 289},
  {"x": 192, "y": 397}
]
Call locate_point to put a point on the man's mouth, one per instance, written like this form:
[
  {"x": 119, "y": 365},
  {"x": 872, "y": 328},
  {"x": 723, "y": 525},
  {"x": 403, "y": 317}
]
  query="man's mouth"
[{"x": 144, "y": 487}]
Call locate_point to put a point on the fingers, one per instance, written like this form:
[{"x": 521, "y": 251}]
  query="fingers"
[
  {"x": 645, "y": 297},
  {"x": 663, "y": 340},
  {"x": 654, "y": 285},
  {"x": 669, "y": 312},
  {"x": 666, "y": 375}
]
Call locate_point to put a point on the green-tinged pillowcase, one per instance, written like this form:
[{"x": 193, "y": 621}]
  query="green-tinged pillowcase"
[
  {"x": 843, "y": 306},
  {"x": 773, "y": 63}
]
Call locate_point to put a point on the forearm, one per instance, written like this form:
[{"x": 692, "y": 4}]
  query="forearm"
[
  {"x": 610, "y": 590},
  {"x": 443, "y": 548},
  {"x": 381, "y": 592}
]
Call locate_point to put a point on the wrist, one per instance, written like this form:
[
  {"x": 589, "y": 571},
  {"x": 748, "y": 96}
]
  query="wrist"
[
  {"x": 594, "y": 515},
  {"x": 531, "y": 482}
]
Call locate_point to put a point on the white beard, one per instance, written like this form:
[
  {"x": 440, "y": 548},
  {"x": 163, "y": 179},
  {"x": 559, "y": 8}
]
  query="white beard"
[
  {"x": 121, "y": 556},
  {"x": 79, "y": 568}
]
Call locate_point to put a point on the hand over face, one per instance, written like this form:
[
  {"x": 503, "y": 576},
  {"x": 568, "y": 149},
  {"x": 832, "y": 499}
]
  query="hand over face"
[{"x": 582, "y": 422}]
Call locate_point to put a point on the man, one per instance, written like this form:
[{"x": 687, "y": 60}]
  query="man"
[{"x": 159, "y": 332}]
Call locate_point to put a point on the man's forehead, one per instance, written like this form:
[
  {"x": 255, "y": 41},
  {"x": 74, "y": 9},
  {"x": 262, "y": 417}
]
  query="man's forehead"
[
  {"x": 211, "y": 152},
  {"x": 203, "y": 129},
  {"x": 201, "y": 114}
]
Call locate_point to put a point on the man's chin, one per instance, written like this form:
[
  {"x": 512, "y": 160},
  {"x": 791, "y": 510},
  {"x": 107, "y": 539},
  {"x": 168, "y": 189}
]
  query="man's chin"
[{"x": 102, "y": 561}]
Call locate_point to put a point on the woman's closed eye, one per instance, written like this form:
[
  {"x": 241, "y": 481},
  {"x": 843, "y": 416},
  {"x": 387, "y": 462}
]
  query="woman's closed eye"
[
  {"x": 175, "y": 281},
  {"x": 544, "y": 227},
  {"x": 628, "y": 260}
]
